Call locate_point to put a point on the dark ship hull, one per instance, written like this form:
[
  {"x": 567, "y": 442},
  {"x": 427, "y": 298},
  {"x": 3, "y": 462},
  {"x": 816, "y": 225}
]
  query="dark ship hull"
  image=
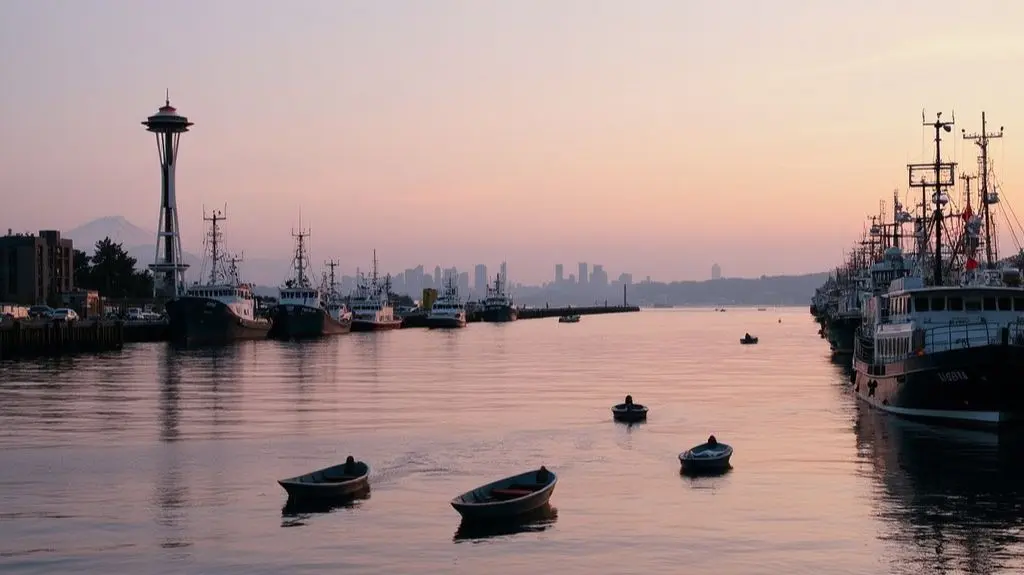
[
  {"x": 364, "y": 325},
  {"x": 445, "y": 322},
  {"x": 499, "y": 314},
  {"x": 296, "y": 322},
  {"x": 201, "y": 321},
  {"x": 842, "y": 331},
  {"x": 974, "y": 387}
]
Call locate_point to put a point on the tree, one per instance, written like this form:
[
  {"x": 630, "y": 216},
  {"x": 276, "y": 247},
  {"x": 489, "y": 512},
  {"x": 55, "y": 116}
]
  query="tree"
[
  {"x": 83, "y": 267},
  {"x": 112, "y": 272}
]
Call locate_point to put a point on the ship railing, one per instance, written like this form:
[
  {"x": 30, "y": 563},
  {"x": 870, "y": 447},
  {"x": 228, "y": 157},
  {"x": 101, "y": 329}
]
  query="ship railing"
[{"x": 959, "y": 336}]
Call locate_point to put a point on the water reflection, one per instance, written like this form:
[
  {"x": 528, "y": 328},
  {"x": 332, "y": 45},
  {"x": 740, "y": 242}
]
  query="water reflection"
[
  {"x": 296, "y": 512},
  {"x": 704, "y": 476},
  {"x": 952, "y": 499},
  {"x": 169, "y": 374},
  {"x": 533, "y": 522}
]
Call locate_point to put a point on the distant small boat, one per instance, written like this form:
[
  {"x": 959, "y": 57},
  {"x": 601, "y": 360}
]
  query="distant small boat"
[
  {"x": 509, "y": 497},
  {"x": 629, "y": 412},
  {"x": 571, "y": 318},
  {"x": 706, "y": 457},
  {"x": 762, "y": 309},
  {"x": 328, "y": 483},
  {"x": 748, "y": 340}
]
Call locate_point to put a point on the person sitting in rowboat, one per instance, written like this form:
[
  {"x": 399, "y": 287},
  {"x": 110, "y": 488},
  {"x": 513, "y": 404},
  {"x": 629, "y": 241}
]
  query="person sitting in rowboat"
[
  {"x": 629, "y": 402},
  {"x": 350, "y": 465},
  {"x": 712, "y": 441},
  {"x": 747, "y": 337},
  {"x": 543, "y": 475}
]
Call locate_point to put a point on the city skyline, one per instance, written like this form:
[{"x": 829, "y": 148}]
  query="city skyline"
[{"x": 460, "y": 141}]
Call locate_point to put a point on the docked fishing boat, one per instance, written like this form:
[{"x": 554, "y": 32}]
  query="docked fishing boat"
[
  {"x": 629, "y": 412},
  {"x": 498, "y": 305},
  {"x": 708, "y": 457},
  {"x": 304, "y": 310},
  {"x": 330, "y": 483},
  {"x": 569, "y": 318},
  {"x": 448, "y": 310},
  {"x": 506, "y": 498},
  {"x": 371, "y": 305},
  {"x": 947, "y": 345},
  {"x": 221, "y": 310}
]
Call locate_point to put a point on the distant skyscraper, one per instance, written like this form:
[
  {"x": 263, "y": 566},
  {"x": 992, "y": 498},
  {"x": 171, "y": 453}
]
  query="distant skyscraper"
[
  {"x": 480, "y": 279},
  {"x": 582, "y": 277},
  {"x": 462, "y": 280},
  {"x": 598, "y": 276},
  {"x": 716, "y": 272},
  {"x": 558, "y": 274},
  {"x": 437, "y": 275}
]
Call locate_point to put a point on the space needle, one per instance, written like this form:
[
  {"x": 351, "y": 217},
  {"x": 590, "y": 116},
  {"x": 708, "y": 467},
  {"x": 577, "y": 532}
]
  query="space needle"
[{"x": 168, "y": 266}]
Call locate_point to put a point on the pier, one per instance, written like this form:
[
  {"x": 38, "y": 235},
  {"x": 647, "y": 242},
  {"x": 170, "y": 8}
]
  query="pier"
[
  {"x": 34, "y": 338},
  {"x": 542, "y": 312}
]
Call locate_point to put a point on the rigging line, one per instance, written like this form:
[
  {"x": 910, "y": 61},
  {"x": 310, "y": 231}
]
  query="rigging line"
[
  {"x": 1013, "y": 232},
  {"x": 998, "y": 184}
]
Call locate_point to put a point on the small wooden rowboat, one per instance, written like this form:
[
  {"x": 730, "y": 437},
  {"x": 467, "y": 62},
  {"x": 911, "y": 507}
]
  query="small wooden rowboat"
[
  {"x": 509, "y": 497},
  {"x": 629, "y": 412},
  {"x": 328, "y": 483},
  {"x": 706, "y": 457}
]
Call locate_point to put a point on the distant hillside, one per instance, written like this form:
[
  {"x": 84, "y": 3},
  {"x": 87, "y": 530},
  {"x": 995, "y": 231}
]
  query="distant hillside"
[
  {"x": 766, "y": 290},
  {"x": 116, "y": 228},
  {"x": 141, "y": 245}
]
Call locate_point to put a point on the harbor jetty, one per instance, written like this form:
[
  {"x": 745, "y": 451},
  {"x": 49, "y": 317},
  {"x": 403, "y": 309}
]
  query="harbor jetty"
[
  {"x": 543, "y": 312},
  {"x": 33, "y": 338}
]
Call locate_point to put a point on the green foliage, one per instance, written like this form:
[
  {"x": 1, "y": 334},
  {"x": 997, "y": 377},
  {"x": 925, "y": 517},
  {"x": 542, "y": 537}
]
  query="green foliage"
[{"x": 111, "y": 271}]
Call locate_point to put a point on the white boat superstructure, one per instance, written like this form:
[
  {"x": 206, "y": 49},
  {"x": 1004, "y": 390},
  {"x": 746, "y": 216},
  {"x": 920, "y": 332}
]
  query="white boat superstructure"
[
  {"x": 448, "y": 309},
  {"x": 371, "y": 305}
]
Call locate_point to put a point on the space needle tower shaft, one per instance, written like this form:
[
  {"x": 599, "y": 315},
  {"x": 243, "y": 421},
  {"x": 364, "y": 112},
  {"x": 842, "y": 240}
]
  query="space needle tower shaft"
[{"x": 168, "y": 266}]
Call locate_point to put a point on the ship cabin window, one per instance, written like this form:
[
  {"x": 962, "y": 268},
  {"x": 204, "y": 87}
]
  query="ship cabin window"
[
  {"x": 1018, "y": 303},
  {"x": 989, "y": 303},
  {"x": 956, "y": 304},
  {"x": 921, "y": 303},
  {"x": 938, "y": 303},
  {"x": 972, "y": 304},
  {"x": 1005, "y": 304}
]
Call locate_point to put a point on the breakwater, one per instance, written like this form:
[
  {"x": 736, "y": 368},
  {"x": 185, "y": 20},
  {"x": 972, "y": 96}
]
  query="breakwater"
[
  {"x": 31, "y": 338},
  {"x": 419, "y": 318}
]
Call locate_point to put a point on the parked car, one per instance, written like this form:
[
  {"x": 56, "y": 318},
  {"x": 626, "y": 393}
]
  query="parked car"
[
  {"x": 64, "y": 314},
  {"x": 40, "y": 312}
]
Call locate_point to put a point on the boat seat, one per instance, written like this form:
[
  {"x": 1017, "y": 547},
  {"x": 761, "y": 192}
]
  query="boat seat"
[
  {"x": 339, "y": 478},
  {"x": 510, "y": 493}
]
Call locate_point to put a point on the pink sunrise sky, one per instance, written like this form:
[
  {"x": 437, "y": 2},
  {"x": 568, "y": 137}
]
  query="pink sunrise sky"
[{"x": 654, "y": 137}]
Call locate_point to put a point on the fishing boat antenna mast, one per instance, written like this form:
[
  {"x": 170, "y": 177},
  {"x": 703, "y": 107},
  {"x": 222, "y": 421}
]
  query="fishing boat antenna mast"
[
  {"x": 982, "y": 141},
  {"x": 301, "y": 259},
  {"x": 213, "y": 238},
  {"x": 936, "y": 175},
  {"x": 331, "y": 264}
]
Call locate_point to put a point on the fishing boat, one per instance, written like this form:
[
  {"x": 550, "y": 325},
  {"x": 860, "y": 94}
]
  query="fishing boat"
[
  {"x": 498, "y": 306},
  {"x": 569, "y": 318},
  {"x": 946, "y": 344},
  {"x": 371, "y": 305},
  {"x": 221, "y": 310},
  {"x": 710, "y": 456},
  {"x": 509, "y": 497},
  {"x": 329, "y": 483},
  {"x": 448, "y": 310},
  {"x": 748, "y": 339},
  {"x": 303, "y": 309},
  {"x": 629, "y": 412}
]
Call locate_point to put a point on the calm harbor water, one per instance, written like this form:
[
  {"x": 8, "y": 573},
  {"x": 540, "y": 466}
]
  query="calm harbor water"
[{"x": 154, "y": 460}]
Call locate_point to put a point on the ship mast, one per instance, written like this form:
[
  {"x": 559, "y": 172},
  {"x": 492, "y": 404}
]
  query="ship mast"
[
  {"x": 942, "y": 176},
  {"x": 214, "y": 239},
  {"x": 301, "y": 259},
  {"x": 331, "y": 264},
  {"x": 982, "y": 140}
]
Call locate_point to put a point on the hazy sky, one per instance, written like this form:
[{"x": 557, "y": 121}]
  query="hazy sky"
[{"x": 654, "y": 137}]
